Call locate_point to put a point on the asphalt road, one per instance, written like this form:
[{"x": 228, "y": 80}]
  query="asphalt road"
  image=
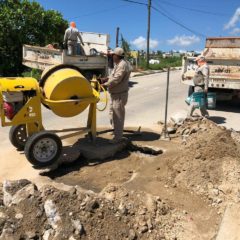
[{"x": 146, "y": 106}]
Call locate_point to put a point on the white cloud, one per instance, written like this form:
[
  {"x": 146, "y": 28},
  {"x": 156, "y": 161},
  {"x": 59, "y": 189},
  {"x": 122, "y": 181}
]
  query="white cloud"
[
  {"x": 184, "y": 41},
  {"x": 141, "y": 43},
  {"x": 182, "y": 51},
  {"x": 235, "y": 31},
  {"x": 234, "y": 20}
]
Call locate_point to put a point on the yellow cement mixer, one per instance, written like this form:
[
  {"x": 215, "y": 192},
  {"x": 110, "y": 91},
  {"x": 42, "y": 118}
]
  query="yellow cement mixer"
[{"x": 64, "y": 91}]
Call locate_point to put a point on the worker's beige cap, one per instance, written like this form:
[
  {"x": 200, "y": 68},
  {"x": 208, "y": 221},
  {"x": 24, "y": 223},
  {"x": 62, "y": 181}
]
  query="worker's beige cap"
[
  {"x": 200, "y": 58},
  {"x": 118, "y": 51}
]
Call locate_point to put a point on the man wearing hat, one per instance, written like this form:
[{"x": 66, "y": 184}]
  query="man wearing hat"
[
  {"x": 117, "y": 84},
  {"x": 200, "y": 80},
  {"x": 71, "y": 39}
]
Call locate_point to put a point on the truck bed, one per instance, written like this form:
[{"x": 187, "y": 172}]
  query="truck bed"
[
  {"x": 42, "y": 57},
  {"x": 223, "y": 57}
]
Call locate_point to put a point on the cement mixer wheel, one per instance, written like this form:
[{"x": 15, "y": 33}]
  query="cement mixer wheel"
[
  {"x": 43, "y": 149},
  {"x": 18, "y": 136}
]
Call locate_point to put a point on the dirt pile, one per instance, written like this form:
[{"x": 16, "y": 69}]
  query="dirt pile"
[
  {"x": 196, "y": 176},
  {"x": 30, "y": 213},
  {"x": 209, "y": 163}
]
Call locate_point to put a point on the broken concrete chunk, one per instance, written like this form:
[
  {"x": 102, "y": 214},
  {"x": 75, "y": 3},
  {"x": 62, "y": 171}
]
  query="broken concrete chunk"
[
  {"x": 52, "y": 214},
  {"x": 12, "y": 188},
  {"x": 78, "y": 227},
  {"x": 48, "y": 234},
  {"x": 24, "y": 193},
  {"x": 179, "y": 118}
]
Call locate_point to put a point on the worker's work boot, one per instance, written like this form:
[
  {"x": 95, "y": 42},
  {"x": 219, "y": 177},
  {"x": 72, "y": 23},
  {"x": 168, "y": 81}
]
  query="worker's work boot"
[{"x": 118, "y": 140}]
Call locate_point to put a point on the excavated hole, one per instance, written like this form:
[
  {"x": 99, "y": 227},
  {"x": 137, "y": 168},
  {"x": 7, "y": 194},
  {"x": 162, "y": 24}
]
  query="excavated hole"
[
  {"x": 96, "y": 174},
  {"x": 146, "y": 150}
]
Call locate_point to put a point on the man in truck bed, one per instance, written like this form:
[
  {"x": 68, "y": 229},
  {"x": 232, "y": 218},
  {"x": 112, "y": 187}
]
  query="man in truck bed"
[{"x": 71, "y": 39}]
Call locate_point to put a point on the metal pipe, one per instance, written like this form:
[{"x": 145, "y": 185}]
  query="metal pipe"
[
  {"x": 117, "y": 37},
  {"x": 166, "y": 104}
]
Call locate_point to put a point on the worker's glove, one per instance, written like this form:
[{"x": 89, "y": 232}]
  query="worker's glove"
[
  {"x": 103, "y": 80},
  {"x": 64, "y": 45}
]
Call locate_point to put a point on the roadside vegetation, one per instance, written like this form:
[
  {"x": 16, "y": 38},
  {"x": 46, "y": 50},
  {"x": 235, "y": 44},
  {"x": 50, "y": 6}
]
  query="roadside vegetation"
[
  {"x": 25, "y": 22},
  {"x": 164, "y": 63}
]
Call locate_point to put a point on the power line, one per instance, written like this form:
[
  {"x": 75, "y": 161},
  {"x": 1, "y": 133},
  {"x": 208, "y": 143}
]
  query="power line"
[
  {"x": 136, "y": 2},
  {"x": 178, "y": 23},
  {"x": 168, "y": 17},
  {"x": 98, "y": 12},
  {"x": 193, "y": 9}
]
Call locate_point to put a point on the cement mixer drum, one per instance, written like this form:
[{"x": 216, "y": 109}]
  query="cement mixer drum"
[{"x": 60, "y": 85}]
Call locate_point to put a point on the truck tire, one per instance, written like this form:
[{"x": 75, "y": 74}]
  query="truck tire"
[
  {"x": 190, "y": 90},
  {"x": 43, "y": 149},
  {"x": 18, "y": 136}
]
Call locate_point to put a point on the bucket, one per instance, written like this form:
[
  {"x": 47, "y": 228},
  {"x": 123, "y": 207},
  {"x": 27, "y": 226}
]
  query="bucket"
[
  {"x": 211, "y": 100},
  {"x": 198, "y": 99}
]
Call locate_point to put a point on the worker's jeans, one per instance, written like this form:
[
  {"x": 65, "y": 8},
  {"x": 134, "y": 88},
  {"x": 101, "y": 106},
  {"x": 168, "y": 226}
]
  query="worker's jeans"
[
  {"x": 203, "y": 109},
  {"x": 117, "y": 113},
  {"x": 72, "y": 49}
]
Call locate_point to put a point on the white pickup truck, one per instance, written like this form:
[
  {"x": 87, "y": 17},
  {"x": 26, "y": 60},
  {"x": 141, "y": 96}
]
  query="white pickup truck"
[
  {"x": 91, "y": 63},
  {"x": 223, "y": 57}
]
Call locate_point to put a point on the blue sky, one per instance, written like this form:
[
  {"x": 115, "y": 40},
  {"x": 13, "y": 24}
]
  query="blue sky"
[{"x": 205, "y": 17}]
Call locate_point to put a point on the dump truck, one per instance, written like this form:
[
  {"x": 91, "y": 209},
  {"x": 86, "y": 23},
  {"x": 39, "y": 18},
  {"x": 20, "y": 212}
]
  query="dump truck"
[
  {"x": 92, "y": 62},
  {"x": 223, "y": 57}
]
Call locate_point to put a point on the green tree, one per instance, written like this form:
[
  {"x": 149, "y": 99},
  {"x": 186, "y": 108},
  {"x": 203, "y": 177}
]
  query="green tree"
[{"x": 25, "y": 22}]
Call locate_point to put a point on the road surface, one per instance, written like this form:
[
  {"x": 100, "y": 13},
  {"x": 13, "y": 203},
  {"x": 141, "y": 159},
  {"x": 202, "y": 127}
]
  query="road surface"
[{"x": 145, "y": 108}]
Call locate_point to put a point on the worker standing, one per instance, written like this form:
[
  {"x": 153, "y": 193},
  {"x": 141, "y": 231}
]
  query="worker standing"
[
  {"x": 110, "y": 62},
  {"x": 109, "y": 56},
  {"x": 200, "y": 80},
  {"x": 118, "y": 86},
  {"x": 71, "y": 39}
]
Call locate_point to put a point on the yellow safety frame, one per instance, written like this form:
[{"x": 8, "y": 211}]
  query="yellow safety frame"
[{"x": 29, "y": 115}]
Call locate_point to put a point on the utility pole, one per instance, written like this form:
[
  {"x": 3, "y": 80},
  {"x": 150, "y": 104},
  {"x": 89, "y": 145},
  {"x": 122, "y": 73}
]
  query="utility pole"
[
  {"x": 148, "y": 30},
  {"x": 117, "y": 37}
]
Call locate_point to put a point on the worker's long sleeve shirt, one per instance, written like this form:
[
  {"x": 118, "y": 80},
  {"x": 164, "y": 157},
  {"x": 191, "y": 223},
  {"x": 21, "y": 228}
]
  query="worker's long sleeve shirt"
[
  {"x": 72, "y": 35},
  {"x": 119, "y": 79},
  {"x": 202, "y": 76}
]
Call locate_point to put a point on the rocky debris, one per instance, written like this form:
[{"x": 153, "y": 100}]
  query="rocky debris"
[
  {"x": 209, "y": 163},
  {"x": 115, "y": 213},
  {"x": 192, "y": 126},
  {"x": 178, "y": 118},
  {"x": 10, "y": 188},
  {"x": 52, "y": 214}
]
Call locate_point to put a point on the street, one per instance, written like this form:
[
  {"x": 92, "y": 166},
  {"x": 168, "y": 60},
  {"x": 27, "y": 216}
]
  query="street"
[{"x": 145, "y": 108}]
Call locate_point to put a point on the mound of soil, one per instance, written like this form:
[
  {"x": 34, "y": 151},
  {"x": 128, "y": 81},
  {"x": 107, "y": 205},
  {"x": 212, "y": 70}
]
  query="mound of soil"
[{"x": 209, "y": 163}]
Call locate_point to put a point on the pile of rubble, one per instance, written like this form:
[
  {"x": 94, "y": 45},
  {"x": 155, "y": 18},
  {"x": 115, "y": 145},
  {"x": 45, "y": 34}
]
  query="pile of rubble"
[
  {"x": 209, "y": 162},
  {"x": 27, "y": 212}
]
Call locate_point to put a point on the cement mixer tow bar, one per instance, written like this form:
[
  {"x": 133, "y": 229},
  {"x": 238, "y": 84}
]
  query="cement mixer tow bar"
[{"x": 63, "y": 90}]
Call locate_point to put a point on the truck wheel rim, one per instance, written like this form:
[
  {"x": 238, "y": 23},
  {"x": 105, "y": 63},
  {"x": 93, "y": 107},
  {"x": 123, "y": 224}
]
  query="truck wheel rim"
[{"x": 45, "y": 150}]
